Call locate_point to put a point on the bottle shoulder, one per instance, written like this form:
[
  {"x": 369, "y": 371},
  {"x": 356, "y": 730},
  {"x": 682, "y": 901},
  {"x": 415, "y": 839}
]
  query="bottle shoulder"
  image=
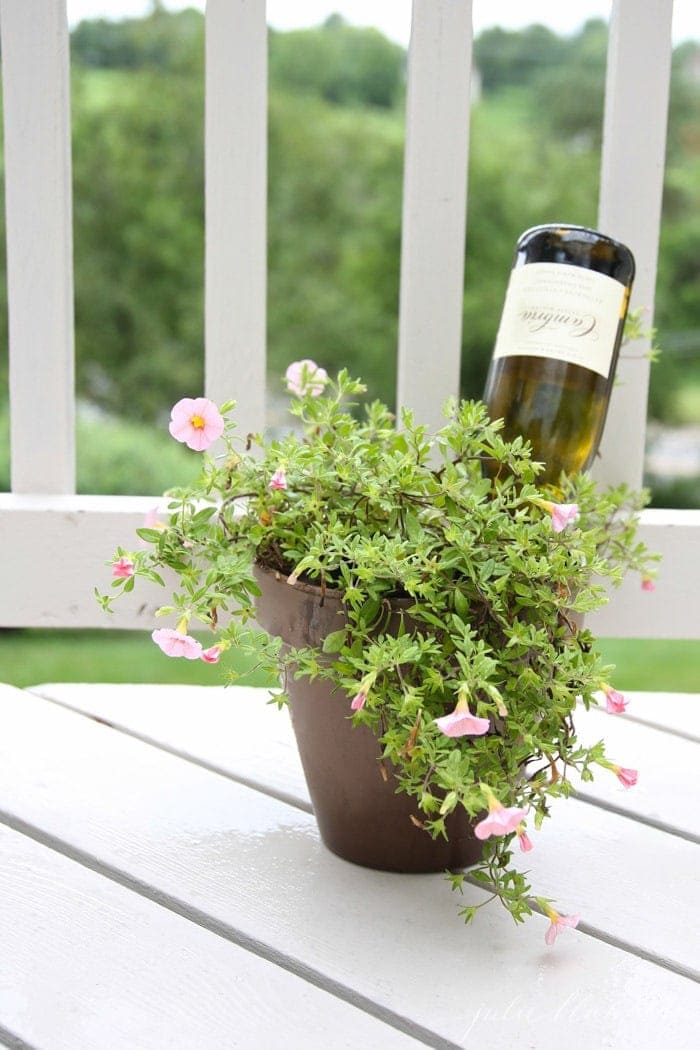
[{"x": 576, "y": 246}]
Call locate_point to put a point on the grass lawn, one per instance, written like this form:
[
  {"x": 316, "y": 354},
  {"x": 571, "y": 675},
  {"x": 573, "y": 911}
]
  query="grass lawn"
[{"x": 31, "y": 657}]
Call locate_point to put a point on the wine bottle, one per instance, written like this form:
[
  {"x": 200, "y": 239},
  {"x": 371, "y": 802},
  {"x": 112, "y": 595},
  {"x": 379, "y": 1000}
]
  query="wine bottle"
[{"x": 557, "y": 346}]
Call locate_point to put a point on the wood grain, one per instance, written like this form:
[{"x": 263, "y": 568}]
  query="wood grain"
[
  {"x": 668, "y": 787},
  {"x": 254, "y": 867},
  {"x": 94, "y": 965},
  {"x": 583, "y": 848}
]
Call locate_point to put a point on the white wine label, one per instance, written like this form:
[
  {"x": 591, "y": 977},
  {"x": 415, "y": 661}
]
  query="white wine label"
[{"x": 565, "y": 312}]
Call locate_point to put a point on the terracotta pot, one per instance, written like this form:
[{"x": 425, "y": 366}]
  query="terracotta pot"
[{"x": 359, "y": 814}]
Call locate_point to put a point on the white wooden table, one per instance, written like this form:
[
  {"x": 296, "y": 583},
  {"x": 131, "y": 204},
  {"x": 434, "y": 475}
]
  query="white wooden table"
[{"x": 163, "y": 885}]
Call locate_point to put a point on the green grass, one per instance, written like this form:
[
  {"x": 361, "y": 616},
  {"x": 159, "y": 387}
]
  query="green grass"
[
  {"x": 30, "y": 657},
  {"x": 663, "y": 665}
]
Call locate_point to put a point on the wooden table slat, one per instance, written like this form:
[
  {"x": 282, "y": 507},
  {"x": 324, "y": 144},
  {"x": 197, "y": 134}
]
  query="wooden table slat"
[
  {"x": 671, "y": 712},
  {"x": 253, "y": 738},
  {"x": 583, "y": 848},
  {"x": 254, "y": 865},
  {"x": 116, "y": 971},
  {"x": 668, "y": 787}
]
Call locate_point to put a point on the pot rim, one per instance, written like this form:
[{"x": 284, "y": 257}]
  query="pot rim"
[{"x": 329, "y": 593}]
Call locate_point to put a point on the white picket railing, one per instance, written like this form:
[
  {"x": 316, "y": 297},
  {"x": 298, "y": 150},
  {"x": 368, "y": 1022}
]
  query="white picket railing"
[{"x": 54, "y": 544}]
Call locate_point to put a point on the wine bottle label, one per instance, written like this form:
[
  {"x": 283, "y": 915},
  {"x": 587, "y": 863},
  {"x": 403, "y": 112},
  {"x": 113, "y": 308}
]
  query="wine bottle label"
[{"x": 564, "y": 312}]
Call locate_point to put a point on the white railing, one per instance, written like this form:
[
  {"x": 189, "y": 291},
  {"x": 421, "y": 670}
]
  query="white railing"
[{"x": 53, "y": 544}]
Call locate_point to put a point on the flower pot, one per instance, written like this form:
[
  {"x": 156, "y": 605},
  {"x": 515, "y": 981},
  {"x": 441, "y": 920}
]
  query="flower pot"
[{"x": 359, "y": 814}]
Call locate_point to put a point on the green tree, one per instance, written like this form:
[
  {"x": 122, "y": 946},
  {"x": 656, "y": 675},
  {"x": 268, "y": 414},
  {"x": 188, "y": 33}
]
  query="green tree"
[
  {"x": 334, "y": 238},
  {"x": 338, "y": 63},
  {"x": 138, "y": 177},
  {"x": 570, "y": 93},
  {"x": 164, "y": 40},
  {"x": 513, "y": 58}
]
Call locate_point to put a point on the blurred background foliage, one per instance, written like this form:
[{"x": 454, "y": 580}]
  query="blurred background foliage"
[
  {"x": 336, "y": 129},
  {"x": 336, "y": 135}
]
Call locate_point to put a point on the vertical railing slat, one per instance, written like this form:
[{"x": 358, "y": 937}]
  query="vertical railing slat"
[
  {"x": 632, "y": 174},
  {"x": 236, "y": 198},
  {"x": 434, "y": 205},
  {"x": 38, "y": 194}
]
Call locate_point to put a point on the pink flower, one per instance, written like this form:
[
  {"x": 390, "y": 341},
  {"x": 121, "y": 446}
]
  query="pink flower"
[
  {"x": 196, "y": 422},
  {"x": 558, "y": 923},
  {"x": 501, "y": 819},
  {"x": 123, "y": 568},
  {"x": 462, "y": 723},
  {"x": 150, "y": 520},
  {"x": 524, "y": 839},
  {"x": 648, "y": 584},
  {"x": 359, "y": 701},
  {"x": 279, "y": 480},
  {"x": 176, "y": 643},
  {"x": 211, "y": 655},
  {"x": 615, "y": 702},
  {"x": 305, "y": 377},
  {"x": 563, "y": 514},
  {"x": 627, "y": 777}
]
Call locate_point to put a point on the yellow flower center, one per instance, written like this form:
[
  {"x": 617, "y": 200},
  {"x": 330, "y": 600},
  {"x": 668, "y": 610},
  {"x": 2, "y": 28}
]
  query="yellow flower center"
[{"x": 197, "y": 422}]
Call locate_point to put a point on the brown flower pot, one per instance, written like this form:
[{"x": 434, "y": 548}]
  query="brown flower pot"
[{"x": 359, "y": 814}]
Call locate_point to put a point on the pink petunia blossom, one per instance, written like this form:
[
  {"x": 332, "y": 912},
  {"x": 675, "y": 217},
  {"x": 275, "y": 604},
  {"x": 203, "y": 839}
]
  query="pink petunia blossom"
[
  {"x": 123, "y": 568},
  {"x": 150, "y": 519},
  {"x": 211, "y": 655},
  {"x": 627, "y": 777},
  {"x": 557, "y": 924},
  {"x": 279, "y": 480},
  {"x": 462, "y": 723},
  {"x": 563, "y": 514},
  {"x": 175, "y": 643},
  {"x": 359, "y": 701},
  {"x": 615, "y": 703},
  {"x": 524, "y": 840},
  {"x": 306, "y": 377},
  {"x": 196, "y": 422},
  {"x": 500, "y": 821},
  {"x": 648, "y": 584}
]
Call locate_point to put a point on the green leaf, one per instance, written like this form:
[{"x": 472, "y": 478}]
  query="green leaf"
[{"x": 334, "y": 641}]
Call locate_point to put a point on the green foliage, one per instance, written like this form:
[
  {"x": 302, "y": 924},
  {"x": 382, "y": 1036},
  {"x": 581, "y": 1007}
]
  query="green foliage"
[
  {"x": 507, "y": 58},
  {"x": 570, "y": 94},
  {"x": 139, "y": 240},
  {"x": 115, "y": 457},
  {"x": 28, "y": 657},
  {"x": 334, "y": 231},
  {"x": 172, "y": 41},
  {"x": 336, "y": 136},
  {"x": 456, "y": 526},
  {"x": 338, "y": 63}
]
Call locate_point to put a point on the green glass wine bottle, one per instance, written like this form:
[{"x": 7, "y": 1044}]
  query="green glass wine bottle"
[{"x": 555, "y": 356}]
